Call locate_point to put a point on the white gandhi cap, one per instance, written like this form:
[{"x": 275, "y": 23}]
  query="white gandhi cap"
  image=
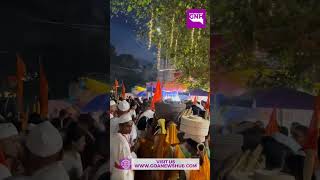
[
  {"x": 7, "y": 130},
  {"x": 123, "y": 105},
  {"x": 112, "y": 103},
  {"x": 44, "y": 140},
  {"x": 125, "y": 118}
]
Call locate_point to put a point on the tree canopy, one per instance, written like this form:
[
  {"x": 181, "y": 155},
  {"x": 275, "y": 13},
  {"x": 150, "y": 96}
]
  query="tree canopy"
[
  {"x": 126, "y": 68},
  {"x": 280, "y": 40},
  {"x": 162, "y": 24}
]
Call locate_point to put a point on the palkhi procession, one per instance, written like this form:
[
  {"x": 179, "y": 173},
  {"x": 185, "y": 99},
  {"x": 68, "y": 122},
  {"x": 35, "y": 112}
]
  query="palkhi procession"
[
  {"x": 54, "y": 139},
  {"x": 159, "y": 128},
  {"x": 85, "y": 136}
]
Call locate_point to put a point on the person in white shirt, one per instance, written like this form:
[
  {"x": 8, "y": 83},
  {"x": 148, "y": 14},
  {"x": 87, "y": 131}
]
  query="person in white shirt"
[
  {"x": 11, "y": 147},
  {"x": 133, "y": 107},
  {"x": 121, "y": 150},
  {"x": 142, "y": 121},
  {"x": 113, "y": 109},
  {"x": 123, "y": 109},
  {"x": 74, "y": 144},
  {"x": 44, "y": 153}
]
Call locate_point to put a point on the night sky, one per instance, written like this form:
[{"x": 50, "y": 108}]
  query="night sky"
[
  {"x": 124, "y": 38},
  {"x": 71, "y": 37}
]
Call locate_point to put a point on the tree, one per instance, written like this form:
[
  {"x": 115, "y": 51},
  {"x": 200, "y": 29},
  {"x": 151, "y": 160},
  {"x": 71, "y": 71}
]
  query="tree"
[
  {"x": 162, "y": 25},
  {"x": 279, "y": 39},
  {"x": 126, "y": 68}
]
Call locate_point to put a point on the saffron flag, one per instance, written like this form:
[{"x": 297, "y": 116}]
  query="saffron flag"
[
  {"x": 43, "y": 93},
  {"x": 116, "y": 85},
  {"x": 207, "y": 107},
  {"x": 157, "y": 95},
  {"x": 313, "y": 131},
  {"x": 272, "y": 126},
  {"x": 123, "y": 91},
  {"x": 195, "y": 101},
  {"x": 21, "y": 70}
]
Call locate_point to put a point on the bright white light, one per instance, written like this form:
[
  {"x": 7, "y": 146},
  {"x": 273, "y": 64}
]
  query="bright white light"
[{"x": 158, "y": 29}]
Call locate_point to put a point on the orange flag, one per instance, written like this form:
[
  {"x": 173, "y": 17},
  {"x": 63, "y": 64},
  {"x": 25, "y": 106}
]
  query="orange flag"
[
  {"x": 272, "y": 126},
  {"x": 157, "y": 95},
  {"x": 43, "y": 93},
  {"x": 116, "y": 85},
  {"x": 123, "y": 91},
  {"x": 195, "y": 101},
  {"x": 21, "y": 70},
  {"x": 208, "y": 103},
  {"x": 313, "y": 131}
]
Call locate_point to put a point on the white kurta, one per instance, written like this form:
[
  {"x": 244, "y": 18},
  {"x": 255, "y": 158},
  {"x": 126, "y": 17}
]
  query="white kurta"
[
  {"x": 120, "y": 149},
  {"x": 73, "y": 164},
  {"x": 148, "y": 113},
  {"x": 114, "y": 125},
  {"x": 133, "y": 113},
  {"x": 4, "y": 172},
  {"x": 54, "y": 171},
  {"x": 114, "y": 128}
]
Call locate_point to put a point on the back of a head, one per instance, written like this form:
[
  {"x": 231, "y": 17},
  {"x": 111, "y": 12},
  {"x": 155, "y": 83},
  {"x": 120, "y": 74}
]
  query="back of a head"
[
  {"x": 123, "y": 106},
  {"x": 302, "y": 129},
  {"x": 44, "y": 140},
  {"x": 63, "y": 113}
]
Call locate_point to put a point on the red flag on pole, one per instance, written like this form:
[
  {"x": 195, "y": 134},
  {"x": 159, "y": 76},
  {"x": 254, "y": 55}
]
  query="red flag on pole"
[
  {"x": 116, "y": 85},
  {"x": 207, "y": 107},
  {"x": 21, "y": 70},
  {"x": 123, "y": 91},
  {"x": 272, "y": 126},
  {"x": 157, "y": 95},
  {"x": 43, "y": 93},
  {"x": 313, "y": 131},
  {"x": 195, "y": 100}
]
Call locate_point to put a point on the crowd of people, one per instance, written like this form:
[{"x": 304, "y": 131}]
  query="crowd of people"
[
  {"x": 139, "y": 131},
  {"x": 70, "y": 146},
  {"x": 281, "y": 153},
  {"x": 89, "y": 146}
]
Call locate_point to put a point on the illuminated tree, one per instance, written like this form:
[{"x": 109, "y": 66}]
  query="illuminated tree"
[{"x": 162, "y": 25}]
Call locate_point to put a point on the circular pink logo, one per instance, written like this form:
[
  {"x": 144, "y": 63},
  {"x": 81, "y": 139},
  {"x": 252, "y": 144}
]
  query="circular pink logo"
[{"x": 125, "y": 164}]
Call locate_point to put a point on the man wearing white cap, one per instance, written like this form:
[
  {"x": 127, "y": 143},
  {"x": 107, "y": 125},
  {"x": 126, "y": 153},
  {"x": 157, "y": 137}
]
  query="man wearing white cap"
[
  {"x": 123, "y": 109},
  {"x": 113, "y": 108},
  {"x": 10, "y": 147},
  {"x": 44, "y": 153},
  {"x": 143, "y": 119},
  {"x": 120, "y": 150}
]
